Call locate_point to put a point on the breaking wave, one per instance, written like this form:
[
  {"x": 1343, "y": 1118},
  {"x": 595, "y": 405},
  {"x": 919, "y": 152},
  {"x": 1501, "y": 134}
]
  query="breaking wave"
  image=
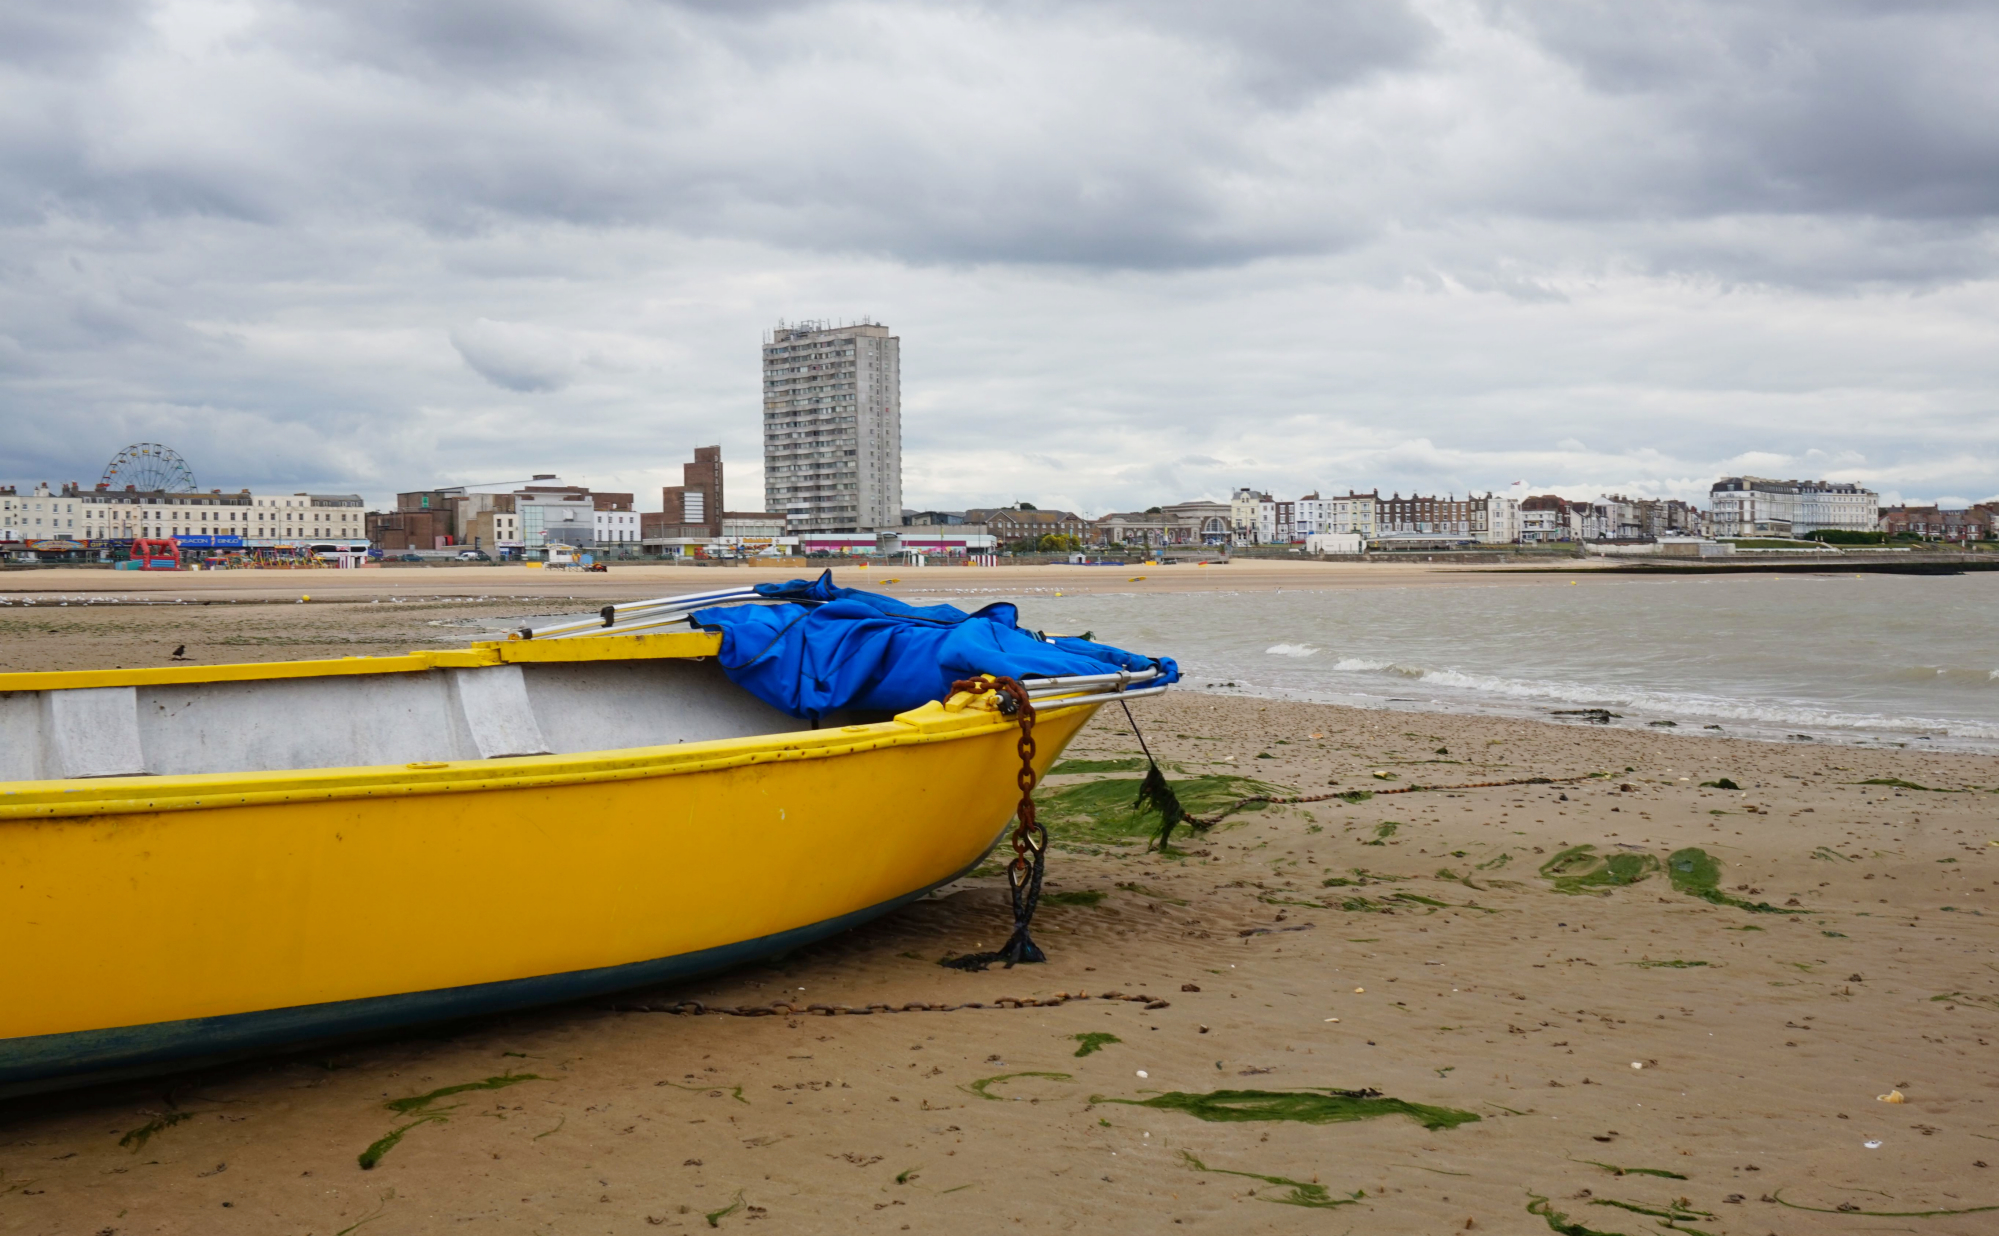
[
  {"x": 1763, "y": 714},
  {"x": 1290, "y": 650}
]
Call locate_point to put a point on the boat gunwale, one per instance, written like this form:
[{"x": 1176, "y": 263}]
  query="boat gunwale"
[
  {"x": 681, "y": 645},
  {"x": 962, "y": 716}
]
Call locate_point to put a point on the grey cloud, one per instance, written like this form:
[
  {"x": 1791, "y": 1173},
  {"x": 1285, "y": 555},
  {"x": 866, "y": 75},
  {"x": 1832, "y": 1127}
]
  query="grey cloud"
[
  {"x": 1285, "y": 51},
  {"x": 66, "y": 36},
  {"x": 1103, "y": 135},
  {"x": 1362, "y": 243},
  {"x": 1856, "y": 108},
  {"x": 515, "y": 356}
]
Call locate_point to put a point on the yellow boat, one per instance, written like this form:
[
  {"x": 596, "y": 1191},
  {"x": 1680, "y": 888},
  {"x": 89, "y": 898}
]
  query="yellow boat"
[{"x": 207, "y": 861}]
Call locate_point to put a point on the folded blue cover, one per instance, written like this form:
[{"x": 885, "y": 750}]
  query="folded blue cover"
[{"x": 825, "y": 649}]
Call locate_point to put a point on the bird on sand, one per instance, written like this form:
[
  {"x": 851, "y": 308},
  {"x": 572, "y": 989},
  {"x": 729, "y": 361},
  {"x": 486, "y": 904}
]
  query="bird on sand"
[{"x": 180, "y": 653}]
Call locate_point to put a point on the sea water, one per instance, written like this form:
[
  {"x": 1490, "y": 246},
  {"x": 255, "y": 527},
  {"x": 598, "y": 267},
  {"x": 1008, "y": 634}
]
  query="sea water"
[{"x": 1876, "y": 659}]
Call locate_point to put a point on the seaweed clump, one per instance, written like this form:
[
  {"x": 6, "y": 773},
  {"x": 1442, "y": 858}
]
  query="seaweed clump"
[
  {"x": 1094, "y": 1042},
  {"x": 1695, "y": 872},
  {"x": 1310, "y": 1106},
  {"x": 1580, "y": 869},
  {"x": 1111, "y": 810}
]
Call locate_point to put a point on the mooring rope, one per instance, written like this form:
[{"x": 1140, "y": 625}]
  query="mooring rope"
[
  {"x": 1362, "y": 795},
  {"x": 782, "y": 1008}
]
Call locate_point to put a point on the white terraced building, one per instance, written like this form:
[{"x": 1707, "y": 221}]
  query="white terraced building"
[
  {"x": 259, "y": 521},
  {"x": 1758, "y": 506},
  {"x": 833, "y": 427}
]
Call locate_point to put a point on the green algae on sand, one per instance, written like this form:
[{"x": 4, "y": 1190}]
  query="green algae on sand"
[
  {"x": 1581, "y": 870},
  {"x": 417, "y": 1102},
  {"x": 1615, "y": 1170},
  {"x": 982, "y": 1086},
  {"x": 1559, "y": 1222},
  {"x": 416, "y": 1105},
  {"x": 1093, "y": 1042},
  {"x": 1079, "y": 897},
  {"x": 1107, "y": 811},
  {"x": 1066, "y": 767},
  {"x": 138, "y": 1137},
  {"x": 382, "y": 1145},
  {"x": 1302, "y": 1193},
  {"x": 1675, "y": 1212},
  {"x": 1696, "y": 873},
  {"x": 1309, "y": 1106},
  {"x": 715, "y": 1217}
]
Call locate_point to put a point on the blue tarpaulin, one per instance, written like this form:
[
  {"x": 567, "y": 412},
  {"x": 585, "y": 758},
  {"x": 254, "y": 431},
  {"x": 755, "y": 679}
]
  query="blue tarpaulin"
[{"x": 823, "y": 649}]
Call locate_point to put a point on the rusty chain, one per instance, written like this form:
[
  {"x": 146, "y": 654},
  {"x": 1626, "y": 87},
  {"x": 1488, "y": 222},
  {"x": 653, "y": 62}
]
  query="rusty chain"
[{"x": 1030, "y": 839}]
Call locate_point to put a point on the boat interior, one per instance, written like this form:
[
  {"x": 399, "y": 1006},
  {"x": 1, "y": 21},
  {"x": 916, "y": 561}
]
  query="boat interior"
[{"x": 495, "y": 701}]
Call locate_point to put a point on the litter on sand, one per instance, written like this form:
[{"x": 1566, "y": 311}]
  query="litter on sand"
[{"x": 1893, "y": 1096}]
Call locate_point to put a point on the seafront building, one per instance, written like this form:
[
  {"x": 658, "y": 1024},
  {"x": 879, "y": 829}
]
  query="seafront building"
[
  {"x": 832, "y": 428},
  {"x": 1978, "y": 522},
  {"x": 1751, "y": 506},
  {"x": 201, "y": 521},
  {"x": 1024, "y": 525},
  {"x": 694, "y": 515},
  {"x": 695, "y": 503},
  {"x": 509, "y": 519},
  {"x": 1208, "y": 519}
]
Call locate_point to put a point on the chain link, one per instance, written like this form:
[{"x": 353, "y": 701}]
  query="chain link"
[{"x": 1030, "y": 839}]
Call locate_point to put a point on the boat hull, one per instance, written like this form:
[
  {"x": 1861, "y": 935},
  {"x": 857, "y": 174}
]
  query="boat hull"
[
  {"x": 162, "y": 919},
  {"x": 54, "y": 1061}
]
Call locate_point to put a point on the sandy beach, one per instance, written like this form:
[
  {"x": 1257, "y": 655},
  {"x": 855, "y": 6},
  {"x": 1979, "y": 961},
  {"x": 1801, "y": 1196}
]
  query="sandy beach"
[{"x": 1615, "y": 1047}]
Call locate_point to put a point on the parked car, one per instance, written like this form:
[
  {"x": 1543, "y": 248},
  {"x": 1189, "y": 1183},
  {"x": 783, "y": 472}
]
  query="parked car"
[
  {"x": 410, "y": 558},
  {"x": 475, "y": 555}
]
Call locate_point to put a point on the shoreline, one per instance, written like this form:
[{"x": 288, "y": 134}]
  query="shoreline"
[{"x": 213, "y": 617}]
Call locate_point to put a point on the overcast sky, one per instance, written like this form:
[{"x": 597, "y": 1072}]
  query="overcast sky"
[{"x": 1136, "y": 252}]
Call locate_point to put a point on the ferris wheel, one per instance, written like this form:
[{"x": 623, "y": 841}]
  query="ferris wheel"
[{"x": 149, "y": 468}]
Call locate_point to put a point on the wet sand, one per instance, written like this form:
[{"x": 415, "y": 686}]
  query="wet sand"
[
  {"x": 633, "y": 580},
  {"x": 1443, "y": 970}
]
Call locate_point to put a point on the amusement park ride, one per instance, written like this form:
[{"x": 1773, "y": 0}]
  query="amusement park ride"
[{"x": 149, "y": 468}]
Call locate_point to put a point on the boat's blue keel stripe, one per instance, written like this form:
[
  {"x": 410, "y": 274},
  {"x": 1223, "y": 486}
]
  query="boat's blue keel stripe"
[{"x": 91, "y": 1054}]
